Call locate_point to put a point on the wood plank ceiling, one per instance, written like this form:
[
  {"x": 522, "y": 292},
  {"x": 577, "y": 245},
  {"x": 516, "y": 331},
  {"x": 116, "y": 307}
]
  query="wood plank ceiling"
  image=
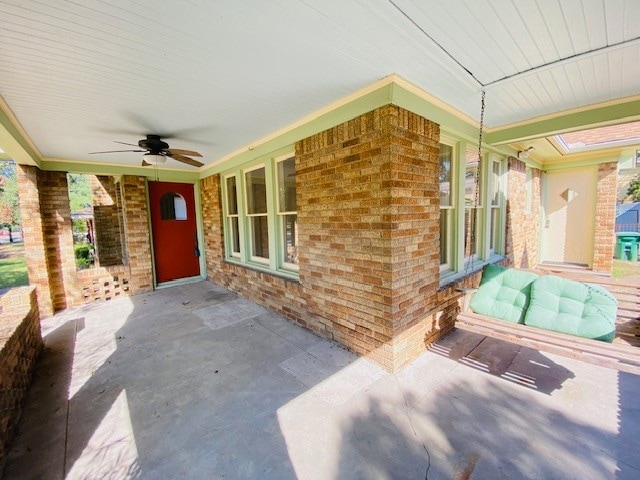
[{"x": 220, "y": 75}]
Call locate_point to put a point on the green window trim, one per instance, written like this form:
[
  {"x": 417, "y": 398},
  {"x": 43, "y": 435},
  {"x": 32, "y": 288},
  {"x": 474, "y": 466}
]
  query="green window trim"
[
  {"x": 488, "y": 216},
  {"x": 262, "y": 228}
]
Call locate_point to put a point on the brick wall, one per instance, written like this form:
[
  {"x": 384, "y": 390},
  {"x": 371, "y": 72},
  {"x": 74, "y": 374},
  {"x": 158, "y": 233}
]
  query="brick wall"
[
  {"x": 604, "y": 237},
  {"x": 44, "y": 203},
  {"x": 107, "y": 217},
  {"x": 522, "y": 228},
  {"x": 138, "y": 236},
  {"x": 368, "y": 231},
  {"x": 20, "y": 346}
]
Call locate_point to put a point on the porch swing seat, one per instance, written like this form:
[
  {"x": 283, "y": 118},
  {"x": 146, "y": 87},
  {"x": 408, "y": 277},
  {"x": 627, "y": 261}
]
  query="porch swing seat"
[{"x": 552, "y": 314}]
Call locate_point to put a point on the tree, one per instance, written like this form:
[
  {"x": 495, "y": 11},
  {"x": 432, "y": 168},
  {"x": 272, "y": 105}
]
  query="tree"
[
  {"x": 79, "y": 191},
  {"x": 9, "y": 200},
  {"x": 634, "y": 190}
]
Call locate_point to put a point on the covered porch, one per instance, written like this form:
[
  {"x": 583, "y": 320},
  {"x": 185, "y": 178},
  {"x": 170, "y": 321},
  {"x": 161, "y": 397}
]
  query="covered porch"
[{"x": 196, "y": 382}]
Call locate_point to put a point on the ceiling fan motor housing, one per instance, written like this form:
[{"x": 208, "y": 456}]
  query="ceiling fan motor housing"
[{"x": 153, "y": 143}]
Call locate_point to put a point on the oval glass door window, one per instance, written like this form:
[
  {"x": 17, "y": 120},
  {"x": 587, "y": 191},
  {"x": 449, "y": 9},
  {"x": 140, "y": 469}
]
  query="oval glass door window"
[{"x": 173, "y": 207}]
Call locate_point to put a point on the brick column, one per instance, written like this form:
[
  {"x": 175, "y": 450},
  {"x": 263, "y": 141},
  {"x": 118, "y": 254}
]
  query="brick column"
[
  {"x": 522, "y": 228},
  {"x": 604, "y": 235},
  {"x": 44, "y": 203},
  {"x": 138, "y": 237},
  {"x": 33, "y": 235},
  {"x": 368, "y": 230},
  {"x": 212, "y": 224}
]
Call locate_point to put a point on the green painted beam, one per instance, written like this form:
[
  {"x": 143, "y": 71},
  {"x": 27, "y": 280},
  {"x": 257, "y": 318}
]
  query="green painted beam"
[
  {"x": 609, "y": 114},
  {"x": 149, "y": 172},
  {"x": 14, "y": 144},
  {"x": 358, "y": 106}
]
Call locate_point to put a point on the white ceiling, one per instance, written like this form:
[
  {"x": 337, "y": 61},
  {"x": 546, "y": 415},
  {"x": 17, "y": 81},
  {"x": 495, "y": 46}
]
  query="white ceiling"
[{"x": 221, "y": 74}]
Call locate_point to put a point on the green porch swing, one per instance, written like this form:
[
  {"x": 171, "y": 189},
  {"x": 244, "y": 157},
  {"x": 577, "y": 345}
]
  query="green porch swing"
[{"x": 597, "y": 322}]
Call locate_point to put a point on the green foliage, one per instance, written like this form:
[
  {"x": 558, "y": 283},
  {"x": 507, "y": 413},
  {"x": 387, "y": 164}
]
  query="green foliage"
[
  {"x": 634, "y": 190},
  {"x": 84, "y": 255},
  {"x": 9, "y": 201},
  {"x": 79, "y": 226},
  {"x": 79, "y": 191}
]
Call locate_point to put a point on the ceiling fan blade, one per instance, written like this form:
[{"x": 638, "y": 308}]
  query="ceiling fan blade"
[
  {"x": 125, "y": 143},
  {"x": 177, "y": 151},
  {"x": 187, "y": 160},
  {"x": 117, "y": 151}
]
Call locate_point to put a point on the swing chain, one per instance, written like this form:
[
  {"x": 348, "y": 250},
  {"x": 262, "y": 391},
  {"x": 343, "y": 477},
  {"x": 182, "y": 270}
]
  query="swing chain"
[{"x": 474, "y": 209}]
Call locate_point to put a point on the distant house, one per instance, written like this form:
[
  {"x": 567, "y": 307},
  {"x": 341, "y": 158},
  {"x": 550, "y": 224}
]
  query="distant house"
[{"x": 628, "y": 217}]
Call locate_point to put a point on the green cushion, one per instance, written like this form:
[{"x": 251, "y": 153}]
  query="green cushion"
[
  {"x": 503, "y": 293},
  {"x": 572, "y": 307}
]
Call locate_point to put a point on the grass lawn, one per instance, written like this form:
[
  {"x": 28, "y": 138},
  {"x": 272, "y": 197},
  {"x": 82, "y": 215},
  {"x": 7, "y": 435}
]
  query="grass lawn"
[
  {"x": 13, "y": 266},
  {"x": 626, "y": 269}
]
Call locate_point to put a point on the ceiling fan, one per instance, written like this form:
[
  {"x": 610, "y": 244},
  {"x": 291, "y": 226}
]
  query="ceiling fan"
[{"x": 157, "y": 151}]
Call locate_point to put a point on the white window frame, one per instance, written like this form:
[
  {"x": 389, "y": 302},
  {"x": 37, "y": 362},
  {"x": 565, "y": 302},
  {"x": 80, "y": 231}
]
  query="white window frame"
[
  {"x": 248, "y": 217},
  {"x": 275, "y": 263},
  {"x": 281, "y": 233},
  {"x": 459, "y": 264},
  {"x": 447, "y": 266},
  {"x": 496, "y": 185},
  {"x": 228, "y": 230}
]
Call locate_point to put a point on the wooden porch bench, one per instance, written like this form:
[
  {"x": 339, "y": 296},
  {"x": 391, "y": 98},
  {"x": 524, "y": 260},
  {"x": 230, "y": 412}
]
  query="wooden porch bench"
[{"x": 623, "y": 354}]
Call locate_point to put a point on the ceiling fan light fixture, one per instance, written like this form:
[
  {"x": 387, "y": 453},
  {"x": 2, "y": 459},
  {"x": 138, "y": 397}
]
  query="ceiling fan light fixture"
[{"x": 154, "y": 158}]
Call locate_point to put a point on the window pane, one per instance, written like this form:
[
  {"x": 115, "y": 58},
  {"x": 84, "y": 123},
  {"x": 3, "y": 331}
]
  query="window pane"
[
  {"x": 235, "y": 235},
  {"x": 259, "y": 237},
  {"x": 472, "y": 180},
  {"x": 287, "y": 185},
  {"x": 495, "y": 184},
  {"x": 256, "y": 191},
  {"x": 444, "y": 236},
  {"x": 173, "y": 207},
  {"x": 495, "y": 225},
  {"x": 232, "y": 197},
  {"x": 446, "y": 157},
  {"x": 290, "y": 238},
  {"x": 470, "y": 240}
]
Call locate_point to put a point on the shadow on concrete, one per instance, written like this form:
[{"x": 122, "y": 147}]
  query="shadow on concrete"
[
  {"x": 520, "y": 365},
  {"x": 180, "y": 383},
  {"x": 483, "y": 430},
  {"x": 195, "y": 382}
]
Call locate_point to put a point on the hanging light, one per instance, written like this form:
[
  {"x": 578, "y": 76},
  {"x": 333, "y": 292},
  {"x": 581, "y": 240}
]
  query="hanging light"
[{"x": 154, "y": 158}]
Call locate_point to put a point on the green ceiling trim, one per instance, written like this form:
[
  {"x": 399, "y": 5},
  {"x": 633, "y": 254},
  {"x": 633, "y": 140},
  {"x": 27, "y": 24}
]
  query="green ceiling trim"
[
  {"x": 287, "y": 139},
  {"x": 93, "y": 169},
  {"x": 609, "y": 114},
  {"x": 14, "y": 144},
  {"x": 448, "y": 121},
  {"x": 584, "y": 162}
]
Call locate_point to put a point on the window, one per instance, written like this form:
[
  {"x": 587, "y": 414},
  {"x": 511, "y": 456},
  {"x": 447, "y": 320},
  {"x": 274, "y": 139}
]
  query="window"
[
  {"x": 260, "y": 211},
  {"x": 472, "y": 208},
  {"x": 497, "y": 203},
  {"x": 287, "y": 211},
  {"x": 173, "y": 207},
  {"x": 472, "y": 203},
  {"x": 446, "y": 204},
  {"x": 256, "y": 190},
  {"x": 233, "y": 224}
]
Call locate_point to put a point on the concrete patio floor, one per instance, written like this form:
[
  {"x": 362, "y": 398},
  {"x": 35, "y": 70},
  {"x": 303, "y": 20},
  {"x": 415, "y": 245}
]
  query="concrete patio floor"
[{"x": 195, "y": 382}]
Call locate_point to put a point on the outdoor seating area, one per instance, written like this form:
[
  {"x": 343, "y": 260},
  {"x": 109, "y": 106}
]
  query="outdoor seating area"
[
  {"x": 232, "y": 390},
  {"x": 578, "y": 319}
]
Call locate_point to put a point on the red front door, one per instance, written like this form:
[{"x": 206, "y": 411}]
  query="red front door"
[{"x": 173, "y": 225}]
